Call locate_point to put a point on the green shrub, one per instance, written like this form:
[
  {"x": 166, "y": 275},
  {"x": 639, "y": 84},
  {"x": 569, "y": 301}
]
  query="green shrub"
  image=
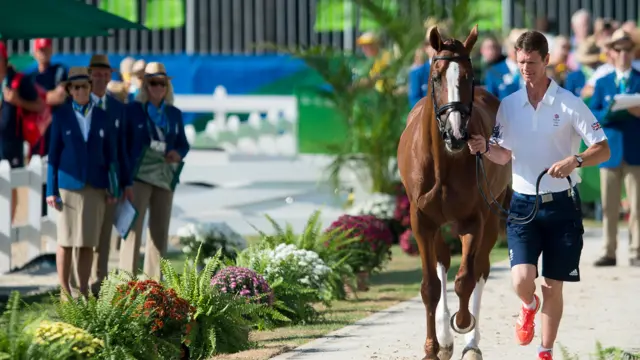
[
  {"x": 15, "y": 342},
  {"x": 602, "y": 353}
]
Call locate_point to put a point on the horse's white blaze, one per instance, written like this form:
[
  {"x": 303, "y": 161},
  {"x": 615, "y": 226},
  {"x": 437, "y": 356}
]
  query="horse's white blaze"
[
  {"x": 443, "y": 328},
  {"x": 453, "y": 92},
  {"x": 473, "y": 337}
]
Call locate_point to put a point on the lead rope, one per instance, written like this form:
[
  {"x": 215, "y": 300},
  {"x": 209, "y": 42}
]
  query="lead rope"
[{"x": 504, "y": 213}]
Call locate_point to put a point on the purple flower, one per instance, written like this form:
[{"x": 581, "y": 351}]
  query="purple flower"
[
  {"x": 244, "y": 282},
  {"x": 408, "y": 243}
]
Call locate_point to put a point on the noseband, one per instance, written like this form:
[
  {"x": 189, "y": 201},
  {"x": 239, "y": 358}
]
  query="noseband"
[{"x": 464, "y": 109}]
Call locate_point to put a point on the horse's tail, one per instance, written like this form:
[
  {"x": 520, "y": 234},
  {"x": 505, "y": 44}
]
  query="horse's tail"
[{"x": 506, "y": 203}]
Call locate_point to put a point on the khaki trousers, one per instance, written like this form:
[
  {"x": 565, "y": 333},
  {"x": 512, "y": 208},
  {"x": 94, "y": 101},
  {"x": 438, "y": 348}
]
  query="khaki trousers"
[
  {"x": 106, "y": 242},
  {"x": 159, "y": 202},
  {"x": 611, "y": 189}
]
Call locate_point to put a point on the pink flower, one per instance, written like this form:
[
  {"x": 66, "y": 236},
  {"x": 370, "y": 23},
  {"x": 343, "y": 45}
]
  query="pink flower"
[
  {"x": 244, "y": 282},
  {"x": 408, "y": 243}
]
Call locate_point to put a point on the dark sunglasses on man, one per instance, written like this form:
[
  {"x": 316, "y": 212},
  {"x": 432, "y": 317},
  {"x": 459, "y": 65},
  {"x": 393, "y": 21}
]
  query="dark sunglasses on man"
[{"x": 154, "y": 83}]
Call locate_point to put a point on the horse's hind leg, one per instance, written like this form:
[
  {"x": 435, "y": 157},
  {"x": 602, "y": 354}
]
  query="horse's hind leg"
[
  {"x": 424, "y": 233},
  {"x": 443, "y": 328},
  {"x": 471, "y": 236}
]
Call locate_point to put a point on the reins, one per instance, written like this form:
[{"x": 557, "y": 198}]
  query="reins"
[{"x": 505, "y": 213}]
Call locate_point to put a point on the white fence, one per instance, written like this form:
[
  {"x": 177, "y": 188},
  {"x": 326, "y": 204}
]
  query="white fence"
[
  {"x": 271, "y": 127},
  {"x": 36, "y": 234}
]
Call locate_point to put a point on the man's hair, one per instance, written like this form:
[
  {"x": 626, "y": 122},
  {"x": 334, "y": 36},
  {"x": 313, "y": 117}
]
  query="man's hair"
[{"x": 532, "y": 41}]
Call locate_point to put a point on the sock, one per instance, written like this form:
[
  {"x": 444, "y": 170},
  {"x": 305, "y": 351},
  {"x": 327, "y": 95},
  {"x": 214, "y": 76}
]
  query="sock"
[
  {"x": 543, "y": 349},
  {"x": 531, "y": 306}
]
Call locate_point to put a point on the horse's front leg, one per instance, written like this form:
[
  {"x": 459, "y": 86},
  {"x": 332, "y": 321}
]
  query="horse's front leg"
[
  {"x": 443, "y": 328},
  {"x": 471, "y": 236},
  {"x": 424, "y": 233}
]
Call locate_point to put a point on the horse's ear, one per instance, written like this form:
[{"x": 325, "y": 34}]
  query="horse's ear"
[
  {"x": 471, "y": 39},
  {"x": 434, "y": 39}
]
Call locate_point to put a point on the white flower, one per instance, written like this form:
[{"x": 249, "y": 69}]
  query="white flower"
[
  {"x": 218, "y": 235},
  {"x": 379, "y": 205}
]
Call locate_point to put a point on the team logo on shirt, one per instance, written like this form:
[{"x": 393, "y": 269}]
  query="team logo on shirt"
[
  {"x": 596, "y": 126},
  {"x": 497, "y": 132},
  {"x": 556, "y": 120}
]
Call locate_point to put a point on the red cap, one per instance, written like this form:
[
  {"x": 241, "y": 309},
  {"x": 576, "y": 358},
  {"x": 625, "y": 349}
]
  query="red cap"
[
  {"x": 39, "y": 44},
  {"x": 3, "y": 51}
]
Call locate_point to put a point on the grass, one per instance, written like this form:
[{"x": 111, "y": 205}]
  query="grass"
[{"x": 399, "y": 282}]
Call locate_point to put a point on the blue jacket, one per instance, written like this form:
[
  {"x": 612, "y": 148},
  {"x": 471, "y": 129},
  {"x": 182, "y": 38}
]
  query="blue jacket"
[
  {"x": 418, "y": 83},
  {"x": 73, "y": 162},
  {"x": 621, "y": 127},
  {"x": 116, "y": 115},
  {"x": 138, "y": 137},
  {"x": 499, "y": 82},
  {"x": 575, "y": 81}
]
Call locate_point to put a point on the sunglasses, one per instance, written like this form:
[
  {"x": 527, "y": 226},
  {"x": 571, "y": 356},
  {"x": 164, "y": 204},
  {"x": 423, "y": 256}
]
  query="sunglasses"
[
  {"x": 154, "y": 83},
  {"x": 621, "y": 49},
  {"x": 80, "y": 87}
]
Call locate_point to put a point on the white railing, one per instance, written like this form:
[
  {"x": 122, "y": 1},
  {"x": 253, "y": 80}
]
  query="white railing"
[
  {"x": 271, "y": 128},
  {"x": 37, "y": 234}
]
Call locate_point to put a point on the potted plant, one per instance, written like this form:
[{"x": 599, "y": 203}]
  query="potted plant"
[
  {"x": 209, "y": 238},
  {"x": 371, "y": 248}
]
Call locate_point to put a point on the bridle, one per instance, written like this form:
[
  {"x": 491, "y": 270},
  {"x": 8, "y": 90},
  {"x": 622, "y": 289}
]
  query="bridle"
[{"x": 465, "y": 109}]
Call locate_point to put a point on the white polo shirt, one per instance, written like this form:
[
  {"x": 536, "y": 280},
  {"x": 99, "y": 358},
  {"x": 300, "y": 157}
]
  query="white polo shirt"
[{"x": 540, "y": 137}]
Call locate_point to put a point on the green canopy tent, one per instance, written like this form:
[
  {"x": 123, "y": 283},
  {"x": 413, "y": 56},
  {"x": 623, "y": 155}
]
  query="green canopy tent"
[{"x": 28, "y": 19}]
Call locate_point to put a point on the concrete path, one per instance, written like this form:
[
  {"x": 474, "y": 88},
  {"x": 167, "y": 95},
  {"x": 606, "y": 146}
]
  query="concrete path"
[{"x": 603, "y": 307}]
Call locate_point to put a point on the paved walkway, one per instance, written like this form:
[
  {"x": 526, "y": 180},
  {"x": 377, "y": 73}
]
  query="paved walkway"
[{"x": 602, "y": 307}]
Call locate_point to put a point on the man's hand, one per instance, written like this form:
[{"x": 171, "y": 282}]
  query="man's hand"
[
  {"x": 128, "y": 194},
  {"x": 635, "y": 111},
  {"x": 56, "y": 96},
  {"x": 477, "y": 144},
  {"x": 11, "y": 96},
  {"x": 563, "y": 168},
  {"x": 54, "y": 202},
  {"x": 173, "y": 157}
]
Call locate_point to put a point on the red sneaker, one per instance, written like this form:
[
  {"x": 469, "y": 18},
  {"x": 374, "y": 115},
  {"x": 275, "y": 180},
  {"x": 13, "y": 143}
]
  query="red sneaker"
[
  {"x": 525, "y": 326},
  {"x": 545, "y": 355}
]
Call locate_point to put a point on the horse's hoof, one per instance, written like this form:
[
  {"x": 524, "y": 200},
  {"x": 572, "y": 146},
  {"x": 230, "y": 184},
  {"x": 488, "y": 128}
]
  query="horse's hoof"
[
  {"x": 471, "y": 354},
  {"x": 446, "y": 352},
  {"x": 455, "y": 328}
]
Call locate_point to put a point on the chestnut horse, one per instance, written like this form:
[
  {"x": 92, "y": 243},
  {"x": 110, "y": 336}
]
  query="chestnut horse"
[{"x": 439, "y": 174}]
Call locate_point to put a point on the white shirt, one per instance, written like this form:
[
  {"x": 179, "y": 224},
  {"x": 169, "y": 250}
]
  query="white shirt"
[
  {"x": 84, "y": 122},
  {"x": 606, "y": 69},
  {"x": 97, "y": 100},
  {"x": 540, "y": 137}
]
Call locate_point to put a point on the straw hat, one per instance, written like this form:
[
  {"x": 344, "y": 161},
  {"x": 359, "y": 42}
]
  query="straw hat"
[
  {"x": 588, "y": 52},
  {"x": 138, "y": 67},
  {"x": 619, "y": 36},
  {"x": 368, "y": 38},
  {"x": 154, "y": 70},
  {"x": 100, "y": 61},
  {"x": 78, "y": 74}
]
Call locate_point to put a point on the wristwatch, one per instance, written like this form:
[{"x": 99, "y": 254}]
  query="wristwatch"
[{"x": 579, "y": 158}]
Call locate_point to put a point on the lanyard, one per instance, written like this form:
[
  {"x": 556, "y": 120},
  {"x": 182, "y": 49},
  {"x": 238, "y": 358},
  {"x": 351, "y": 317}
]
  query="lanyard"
[{"x": 161, "y": 133}]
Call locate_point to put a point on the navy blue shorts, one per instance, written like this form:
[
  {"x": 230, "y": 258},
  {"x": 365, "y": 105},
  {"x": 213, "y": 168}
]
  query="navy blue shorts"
[{"x": 555, "y": 233}]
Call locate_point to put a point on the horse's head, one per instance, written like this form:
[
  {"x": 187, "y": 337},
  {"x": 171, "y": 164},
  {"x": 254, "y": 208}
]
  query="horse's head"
[{"x": 451, "y": 83}]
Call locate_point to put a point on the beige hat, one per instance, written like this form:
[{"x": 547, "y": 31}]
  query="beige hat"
[
  {"x": 619, "y": 36},
  {"x": 155, "y": 69},
  {"x": 100, "y": 61},
  {"x": 368, "y": 38},
  {"x": 126, "y": 65},
  {"x": 78, "y": 73},
  {"x": 138, "y": 67},
  {"x": 588, "y": 52}
]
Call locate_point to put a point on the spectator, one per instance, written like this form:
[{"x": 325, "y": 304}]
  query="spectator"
[
  {"x": 153, "y": 125},
  {"x": 543, "y": 26},
  {"x": 100, "y": 71},
  {"x": 419, "y": 75},
  {"x": 126, "y": 68},
  {"x": 369, "y": 42},
  {"x": 119, "y": 90},
  {"x": 581, "y": 27},
  {"x": 80, "y": 156},
  {"x": 557, "y": 68},
  {"x": 503, "y": 78},
  {"x": 491, "y": 52},
  {"x": 16, "y": 94},
  {"x": 137, "y": 72},
  {"x": 588, "y": 55},
  {"x": 622, "y": 129}
]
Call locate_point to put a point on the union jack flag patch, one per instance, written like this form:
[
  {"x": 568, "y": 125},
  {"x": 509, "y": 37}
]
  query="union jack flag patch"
[{"x": 596, "y": 126}]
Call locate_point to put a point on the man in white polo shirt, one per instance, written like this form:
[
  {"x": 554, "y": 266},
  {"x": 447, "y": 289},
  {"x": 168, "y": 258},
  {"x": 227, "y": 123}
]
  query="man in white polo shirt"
[{"x": 539, "y": 127}]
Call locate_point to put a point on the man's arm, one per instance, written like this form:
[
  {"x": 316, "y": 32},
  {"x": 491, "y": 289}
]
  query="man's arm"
[
  {"x": 595, "y": 154},
  {"x": 499, "y": 146},
  {"x": 588, "y": 127},
  {"x": 28, "y": 98},
  {"x": 497, "y": 154}
]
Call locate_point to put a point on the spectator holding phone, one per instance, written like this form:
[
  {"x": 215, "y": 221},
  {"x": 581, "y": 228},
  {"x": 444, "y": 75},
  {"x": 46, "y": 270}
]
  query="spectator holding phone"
[{"x": 80, "y": 181}]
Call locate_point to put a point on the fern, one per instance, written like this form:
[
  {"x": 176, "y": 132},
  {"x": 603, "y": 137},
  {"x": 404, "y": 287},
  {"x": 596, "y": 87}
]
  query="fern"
[
  {"x": 116, "y": 321},
  {"x": 602, "y": 353},
  {"x": 222, "y": 321},
  {"x": 15, "y": 342}
]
